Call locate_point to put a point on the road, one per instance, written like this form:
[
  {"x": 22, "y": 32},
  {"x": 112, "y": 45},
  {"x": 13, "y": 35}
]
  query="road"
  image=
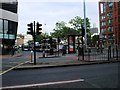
[{"x": 87, "y": 76}]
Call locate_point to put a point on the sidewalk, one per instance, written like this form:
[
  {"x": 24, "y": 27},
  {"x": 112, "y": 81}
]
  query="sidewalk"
[
  {"x": 10, "y": 56},
  {"x": 60, "y": 61}
]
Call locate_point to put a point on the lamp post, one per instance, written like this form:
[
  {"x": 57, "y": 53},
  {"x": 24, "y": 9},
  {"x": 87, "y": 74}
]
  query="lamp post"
[
  {"x": 84, "y": 7},
  {"x": 78, "y": 39}
]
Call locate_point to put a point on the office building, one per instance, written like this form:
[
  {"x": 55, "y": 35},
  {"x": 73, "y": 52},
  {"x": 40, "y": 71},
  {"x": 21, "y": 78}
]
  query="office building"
[{"x": 8, "y": 25}]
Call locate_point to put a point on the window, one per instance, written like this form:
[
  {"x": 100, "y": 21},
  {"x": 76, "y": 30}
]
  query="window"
[
  {"x": 119, "y": 3},
  {"x": 110, "y": 21},
  {"x": 110, "y": 5},
  {"x": 103, "y": 30},
  {"x": 11, "y": 6},
  {"x": 103, "y": 24},
  {"x": 119, "y": 11},
  {"x": 104, "y": 7},
  {"x": 119, "y": 19},
  {"x": 109, "y": 15},
  {"x": 110, "y": 29},
  {"x": 101, "y": 7},
  {"x": 1, "y": 26},
  {"x": 102, "y": 17},
  {"x": 5, "y": 26}
]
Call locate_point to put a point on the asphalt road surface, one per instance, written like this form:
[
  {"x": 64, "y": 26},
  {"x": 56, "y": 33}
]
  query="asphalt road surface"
[{"x": 87, "y": 76}]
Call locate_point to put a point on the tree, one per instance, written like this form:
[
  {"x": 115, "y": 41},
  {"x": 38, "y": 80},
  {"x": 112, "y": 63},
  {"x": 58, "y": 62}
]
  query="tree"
[
  {"x": 95, "y": 38},
  {"x": 78, "y": 21},
  {"x": 62, "y": 30}
]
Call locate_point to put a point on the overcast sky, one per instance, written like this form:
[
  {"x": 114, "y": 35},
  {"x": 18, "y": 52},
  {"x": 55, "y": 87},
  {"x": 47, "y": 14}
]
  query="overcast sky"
[{"x": 51, "y": 11}]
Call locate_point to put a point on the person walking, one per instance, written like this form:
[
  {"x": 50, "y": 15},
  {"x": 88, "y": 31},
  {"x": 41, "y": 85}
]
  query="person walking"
[{"x": 63, "y": 50}]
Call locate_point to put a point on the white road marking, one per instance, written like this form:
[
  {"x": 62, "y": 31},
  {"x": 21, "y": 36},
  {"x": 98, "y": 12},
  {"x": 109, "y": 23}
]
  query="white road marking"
[
  {"x": 11, "y": 68},
  {"x": 43, "y": 84}
]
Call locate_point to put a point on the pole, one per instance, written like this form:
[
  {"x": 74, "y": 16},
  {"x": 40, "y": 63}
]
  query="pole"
[
  {"x": 82, "y": 49},
  {"x": 58, "y": 46},
  {"x": 85, "y": 23},
  {"x": 34, "y": 46},
  {"x": 31, "y": 56}
]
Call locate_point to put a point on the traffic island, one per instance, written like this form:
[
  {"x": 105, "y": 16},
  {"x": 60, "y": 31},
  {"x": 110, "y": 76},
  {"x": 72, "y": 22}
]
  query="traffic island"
[{"x": 41, "y": 65}]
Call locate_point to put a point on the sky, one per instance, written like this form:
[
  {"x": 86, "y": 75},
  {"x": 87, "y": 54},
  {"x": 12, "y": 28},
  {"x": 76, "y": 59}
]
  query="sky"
[{"x": 48, "y": 12}]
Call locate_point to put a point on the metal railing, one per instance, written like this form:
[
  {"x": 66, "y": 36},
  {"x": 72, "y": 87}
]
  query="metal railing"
[{"x": 101, "y": 54}]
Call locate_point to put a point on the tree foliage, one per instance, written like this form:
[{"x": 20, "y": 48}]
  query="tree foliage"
[{"x": 61, "y": 30}]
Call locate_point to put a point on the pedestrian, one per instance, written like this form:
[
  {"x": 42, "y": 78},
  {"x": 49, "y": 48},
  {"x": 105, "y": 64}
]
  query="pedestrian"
[{"x": 63, "y": 50}]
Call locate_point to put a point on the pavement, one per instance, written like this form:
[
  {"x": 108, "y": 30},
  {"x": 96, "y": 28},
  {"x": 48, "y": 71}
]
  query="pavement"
[
  {"x": 51, "y": 61},
  {"x": 60, "y": 61}
]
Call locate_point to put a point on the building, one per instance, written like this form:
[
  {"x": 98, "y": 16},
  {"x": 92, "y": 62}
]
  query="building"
[
  {"x": 23, "y": 39},
  {"x": 94, "y": 30},
  {"x": 19, "y": 40},
  {"x": 109, "y": 18},
  {"x": 8, "y": 25}
]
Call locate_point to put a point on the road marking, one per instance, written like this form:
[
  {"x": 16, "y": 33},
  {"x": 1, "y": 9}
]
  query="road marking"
[
  {"x": 11, "y": 68},
  {"x": 43, "y": 84}
]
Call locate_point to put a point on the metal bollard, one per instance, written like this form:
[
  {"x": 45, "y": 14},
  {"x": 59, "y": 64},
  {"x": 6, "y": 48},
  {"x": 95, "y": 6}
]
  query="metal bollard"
[
  {"x": 113, "y": 52},
  {"x": 31, "y": 53},
  {"x": 43, "y": 53}
]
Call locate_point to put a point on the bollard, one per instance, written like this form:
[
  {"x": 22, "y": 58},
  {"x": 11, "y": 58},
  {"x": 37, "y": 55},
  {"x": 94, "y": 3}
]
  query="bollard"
[
  {"x": 113, "y": 52},
  {"x": 31, "y": 56},
  {"x": 116, "y": 52},
  {"x": 43, "y": 53}
]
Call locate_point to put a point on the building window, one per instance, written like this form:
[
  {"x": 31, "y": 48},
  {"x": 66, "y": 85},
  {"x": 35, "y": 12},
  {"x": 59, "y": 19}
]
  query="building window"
[
  {"x": 5, "y": 27},
  {"x": 9, "y": 6},
  {"x": 109, "y": 15},
  {"x": 103, "y": 24},
  {"x": 104, "y": 7},
  {"x": 119, "y": 3},
  {"x": 102, "y": 17},
  {"x": 110, "y": 29},
  {"x": 103, "y": 31},
  {"x": 101, "y": 7},
  {"x": 110, "y": 21},
  {"x": 119, "y": 11},
  {"x": 1, "y": 26},
  {"x": 119, "y": 19},
  {"x": 110, "y": 5}
]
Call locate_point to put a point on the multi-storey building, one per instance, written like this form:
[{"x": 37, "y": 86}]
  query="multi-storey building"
[
  {"x": 23, "y": 39},
  {"x": 109, "y": 18},
  {"x": 8, "y": 25}
]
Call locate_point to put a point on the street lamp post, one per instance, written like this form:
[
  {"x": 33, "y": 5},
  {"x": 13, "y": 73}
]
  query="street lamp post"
[{"x": 85, "y": 23}]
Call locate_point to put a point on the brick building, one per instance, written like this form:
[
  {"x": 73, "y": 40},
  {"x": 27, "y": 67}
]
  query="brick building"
[{"x": 109, "y": 18}]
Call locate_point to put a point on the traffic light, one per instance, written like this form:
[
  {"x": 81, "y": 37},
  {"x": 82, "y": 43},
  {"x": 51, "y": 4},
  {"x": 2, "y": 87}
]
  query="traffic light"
[
  {"x": 30, "y": 28},
  {"x": 83, "y": 31},
  {"x": 38, "y": 28}
]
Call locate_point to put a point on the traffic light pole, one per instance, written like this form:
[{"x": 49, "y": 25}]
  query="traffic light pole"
[{"x": 34, "y": 45}]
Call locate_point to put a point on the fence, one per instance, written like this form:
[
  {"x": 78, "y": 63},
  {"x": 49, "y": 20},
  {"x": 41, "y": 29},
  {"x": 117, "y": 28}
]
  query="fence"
[{"x": 100, "y": 54}]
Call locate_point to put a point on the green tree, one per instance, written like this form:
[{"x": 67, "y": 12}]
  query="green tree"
[
  {"x": 78, "y": 21},
  {"x": 62, "y": 31},
  {"x": 95, "y": 38}
]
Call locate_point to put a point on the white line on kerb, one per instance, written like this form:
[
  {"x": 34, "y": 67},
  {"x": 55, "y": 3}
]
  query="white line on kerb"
[{"x": 43, "y": 84}]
